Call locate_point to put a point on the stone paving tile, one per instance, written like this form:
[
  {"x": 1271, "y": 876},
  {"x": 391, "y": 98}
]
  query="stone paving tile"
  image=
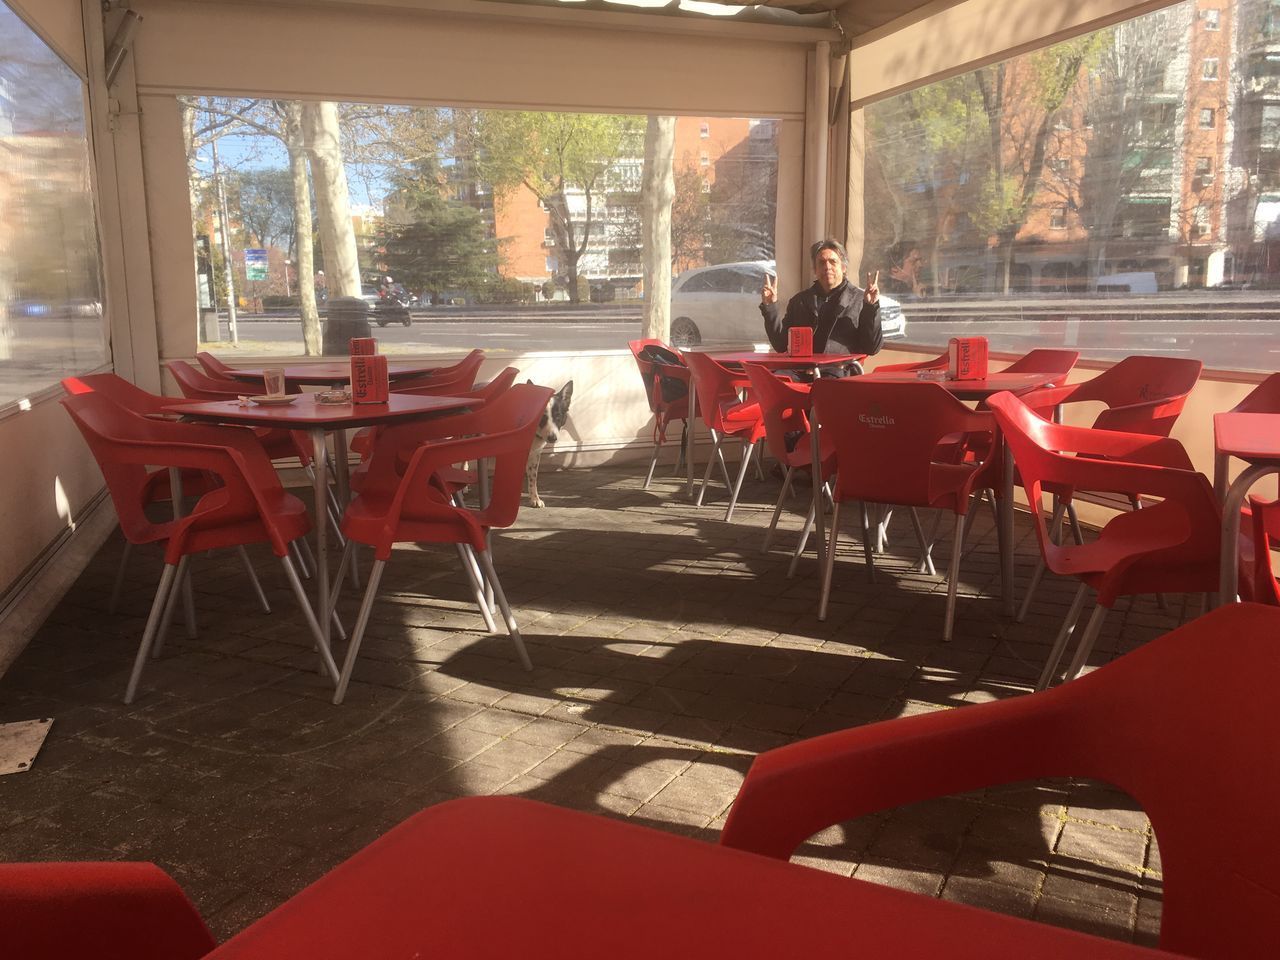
[{"x": 668, "y": 652}]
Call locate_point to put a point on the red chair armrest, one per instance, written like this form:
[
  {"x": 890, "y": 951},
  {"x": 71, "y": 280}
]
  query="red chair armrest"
[
  {"x": 796, "y": 791},
  {"x": 113, "y": 911}
]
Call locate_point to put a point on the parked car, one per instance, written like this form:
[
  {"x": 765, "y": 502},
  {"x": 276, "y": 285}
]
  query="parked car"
[
  {"x": 386, "y": 306},
  {"x": 1142, "y": 282},
  {"x": 721, "y": 304}
]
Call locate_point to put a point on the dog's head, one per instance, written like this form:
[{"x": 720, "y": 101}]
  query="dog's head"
[{"x": 556, "y": 414}]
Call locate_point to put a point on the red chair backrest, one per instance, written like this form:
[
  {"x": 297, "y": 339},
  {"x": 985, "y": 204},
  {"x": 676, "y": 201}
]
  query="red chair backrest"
[
  {"x": 937, "y": 363},
  {"x": 1264, "y": 398},
  {"x": 458, "y": 378},
  {"x": 1142, "y": 394},
  {"x": 494, "y": 388},
  {"x": 652, "y": 372},
  {"x": 886, "y": 436},
  {"x": 119, "y": 390},
  {"x": 213, "y": 366},
  {"x": 717, "y": 387},
  {"x": 1057, "y": 362},
  {"x": 784, "y": 405},
  {"x": 199, "y": 386}
]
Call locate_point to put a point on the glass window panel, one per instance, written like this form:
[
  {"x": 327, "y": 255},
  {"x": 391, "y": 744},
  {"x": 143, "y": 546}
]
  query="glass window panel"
[
  {"x": 50, "y": 275},
  {"x": 1097, "y": 179},
  {"x": 454, "y": 206}
]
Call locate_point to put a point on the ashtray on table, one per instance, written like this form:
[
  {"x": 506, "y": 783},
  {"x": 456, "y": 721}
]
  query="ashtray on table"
[{"x": 333, "y": 396}]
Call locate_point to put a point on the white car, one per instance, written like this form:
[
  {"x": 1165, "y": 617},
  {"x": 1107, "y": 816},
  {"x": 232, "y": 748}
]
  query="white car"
[{"x": 721, "y": 304}]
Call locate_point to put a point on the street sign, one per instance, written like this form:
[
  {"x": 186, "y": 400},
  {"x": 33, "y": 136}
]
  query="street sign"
[{"x": 255, "y": 264}]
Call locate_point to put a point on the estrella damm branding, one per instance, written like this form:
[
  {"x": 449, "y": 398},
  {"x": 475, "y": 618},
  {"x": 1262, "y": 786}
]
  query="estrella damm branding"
[{"x": 876, "y": 417}]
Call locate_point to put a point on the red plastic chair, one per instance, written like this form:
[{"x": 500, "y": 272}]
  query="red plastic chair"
[
  {"x": 785, "y": 406},
  {"x": 1141, "y": 395},
  {"x": 888, "y": 439},
  {"x": 415, "y": 507},
  {"x": 61, "y": 911},
  {"x": 194, "y": 483},
  {"x": 249, "y": 506},
  {"x": 1170, "y": 546},
  {"x": 439, "y": 381},
  {"x": 725, "y": 416},
  {"x": 1186, "y": 725},
  {"x": 363, "y": 441},
  {"x": 669, "y": 370}
]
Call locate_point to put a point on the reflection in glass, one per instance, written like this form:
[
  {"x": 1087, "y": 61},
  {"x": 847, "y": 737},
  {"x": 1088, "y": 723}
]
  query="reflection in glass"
[
  {"x": 50, "y": 281},
  {"x": 1118, "y": 192}
]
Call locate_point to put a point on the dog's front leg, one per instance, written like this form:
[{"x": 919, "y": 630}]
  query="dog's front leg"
[{"x": 531, "y": 475}]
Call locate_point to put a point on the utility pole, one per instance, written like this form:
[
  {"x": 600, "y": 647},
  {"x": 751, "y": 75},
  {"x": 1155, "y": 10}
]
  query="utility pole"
[{"x": 224, "y": 230}]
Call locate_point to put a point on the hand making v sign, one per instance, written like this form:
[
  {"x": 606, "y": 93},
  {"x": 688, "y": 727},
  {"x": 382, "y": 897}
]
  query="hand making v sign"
[
  {"x": 769, "y": 292},
  {"x": 873, "y": 287}
]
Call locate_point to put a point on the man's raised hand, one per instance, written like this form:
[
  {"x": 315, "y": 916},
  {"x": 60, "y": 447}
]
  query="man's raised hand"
[{"x": 769, "y": 292}]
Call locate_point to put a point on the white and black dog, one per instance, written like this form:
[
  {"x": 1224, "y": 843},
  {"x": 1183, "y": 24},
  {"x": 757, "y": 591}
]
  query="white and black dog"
[{"x": 553, "y": 421}]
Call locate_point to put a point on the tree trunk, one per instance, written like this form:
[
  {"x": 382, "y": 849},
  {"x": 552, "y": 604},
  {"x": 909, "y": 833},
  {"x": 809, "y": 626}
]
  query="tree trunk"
[
  {"x": 304, "y": 254},
  {"x": 657, "y": 191},
  {"x": 333, "y": 204}
]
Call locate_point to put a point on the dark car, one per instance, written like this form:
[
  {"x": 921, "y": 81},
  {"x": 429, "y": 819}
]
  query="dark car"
[{"x": 386, "y": 306}]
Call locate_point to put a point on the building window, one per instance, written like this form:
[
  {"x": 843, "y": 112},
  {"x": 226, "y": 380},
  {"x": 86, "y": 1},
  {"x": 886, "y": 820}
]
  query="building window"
[
  {"x": 1269, "y": 132},
  {"x": 548, "y": 237},
  {"x": 1204, "y": 169},
  {"x": 706, "y": 185},
  {"x": 1058, "y": 218},
  {"x": 704, "y": 160},
  {"x": 1200, "y": 225},
  {"x": 704, "y": 130},
  {"x": 1210, "y": 18},
  {"x": 1207, "y": 118},
  {"x": 1209, "y": 69}
]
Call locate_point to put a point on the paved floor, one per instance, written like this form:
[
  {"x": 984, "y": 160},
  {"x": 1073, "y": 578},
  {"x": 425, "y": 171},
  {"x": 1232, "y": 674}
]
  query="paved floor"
[{"x": 668, "y": 651}]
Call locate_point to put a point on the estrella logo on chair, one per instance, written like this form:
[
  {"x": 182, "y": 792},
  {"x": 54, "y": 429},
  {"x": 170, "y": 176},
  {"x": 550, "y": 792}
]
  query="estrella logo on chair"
[{"x": 876, "y": 417}]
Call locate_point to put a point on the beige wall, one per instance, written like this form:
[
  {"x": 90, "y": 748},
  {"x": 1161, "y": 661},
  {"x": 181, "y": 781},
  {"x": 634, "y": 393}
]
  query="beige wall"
[{"x": 946, "y": 38}]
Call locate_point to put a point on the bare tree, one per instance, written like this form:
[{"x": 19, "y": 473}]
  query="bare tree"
[
  {"x": 323, "y": 141},
  {"x": 656, "y": 195}
]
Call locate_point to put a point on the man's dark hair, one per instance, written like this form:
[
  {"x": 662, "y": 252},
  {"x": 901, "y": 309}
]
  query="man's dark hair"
[
  {"x": 829, "y": 244},
  {"x": 898, "y": 253}
]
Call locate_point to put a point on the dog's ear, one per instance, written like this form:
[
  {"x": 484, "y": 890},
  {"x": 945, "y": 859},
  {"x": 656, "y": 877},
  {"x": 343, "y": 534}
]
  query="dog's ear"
[
  {"x": 529, "y": 381},
  {"x": 565, "y": 392}
]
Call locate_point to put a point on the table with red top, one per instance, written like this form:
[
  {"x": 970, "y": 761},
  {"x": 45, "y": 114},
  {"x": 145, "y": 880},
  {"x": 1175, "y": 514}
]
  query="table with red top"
[
  {"x": 508, "y": 877},
  {"x": 1255, "y": 439},
  {"x": 317, "y": 419},
  {"x": 1015, "y": 383},
  {"x": 334, "y": 373},
  {"x": 770, "y": 359}
]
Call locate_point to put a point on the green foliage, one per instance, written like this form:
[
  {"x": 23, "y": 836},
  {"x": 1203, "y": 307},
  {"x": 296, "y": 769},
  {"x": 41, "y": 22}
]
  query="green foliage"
[
  {"x": 499, "y": 289},
  {"x": 438, "y": 244}
]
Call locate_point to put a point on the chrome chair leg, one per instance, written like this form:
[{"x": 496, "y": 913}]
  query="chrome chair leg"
[
  {"x": 926, "y": 546},
  {"x": 253, "y": 578},
  {"x": 1091, "y": 631},
  {"x": 868, "y": 555},
  {"x": 486, "y": 563},
  {"x": 1060, "y": 642},
  {"x": 326, "y": 656},
  {"x": 166, "y": 619},
  {"x": 158, "y": 607},
  {"x": 747, "y": 453},
  {"x": 777, "y": 510},
  {"x": 357, "y": 634},
  {"x": 953, "y": 578},
  {"x": 706, "y": 474},
  {"x": 829, "y": 569},
  {"x": 477, "y": 586},
  {"x": 118, "y": 586},
  {"x": 653, "y": 463},
  {"x": 801, "y": 543}
]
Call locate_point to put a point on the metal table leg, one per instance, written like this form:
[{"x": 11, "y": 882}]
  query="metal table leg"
[
  {"x": 690, "y": 433},
  {"x": 1228, "y": 575},
  {"x": 320, "y": 488},
  {"x": 1006, "y": 529}
]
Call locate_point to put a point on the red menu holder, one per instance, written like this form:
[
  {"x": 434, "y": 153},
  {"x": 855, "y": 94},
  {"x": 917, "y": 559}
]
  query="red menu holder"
[
  {"x": 369, "y": 380},
  {"x": 967, "y": 358},
  {"x": 362, "y": 346},
  {"x": 800, "y": 342}
]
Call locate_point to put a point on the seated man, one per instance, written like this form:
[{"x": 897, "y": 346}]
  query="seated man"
[{"x": 844, "y": 318}]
